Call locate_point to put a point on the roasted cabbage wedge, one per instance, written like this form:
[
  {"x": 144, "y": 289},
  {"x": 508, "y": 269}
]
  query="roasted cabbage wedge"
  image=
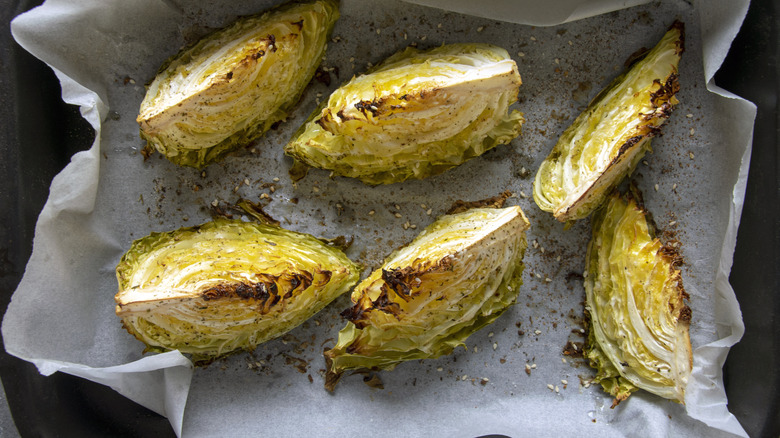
[
  {"x": 635, "y": 303},
  {"x": 457, "y": 276},
  {"x": 606, "y": 141},
  {"x": 225, "y": 285},
  {"x": 233, "y": 85},
  {"x": 416, "y": 114}
]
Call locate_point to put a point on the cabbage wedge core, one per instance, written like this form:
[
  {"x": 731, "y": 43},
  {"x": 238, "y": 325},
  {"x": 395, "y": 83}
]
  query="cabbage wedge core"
[
  {"x": 233, "y": 85},
  {"x": 417, "y": 114},
  {"x": 606, "y": 141},
  {"x": 638, "y": 321},
  {"x": 225, "y": 285},
  {"x": 457, "y": 276}
]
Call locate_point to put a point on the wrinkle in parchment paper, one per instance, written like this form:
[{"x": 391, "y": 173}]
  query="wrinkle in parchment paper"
[{"x": 61, "y": 317}]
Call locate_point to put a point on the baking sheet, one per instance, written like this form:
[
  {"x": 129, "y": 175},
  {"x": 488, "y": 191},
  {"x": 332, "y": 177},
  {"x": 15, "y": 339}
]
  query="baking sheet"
[{"x": 61, "y": 317}]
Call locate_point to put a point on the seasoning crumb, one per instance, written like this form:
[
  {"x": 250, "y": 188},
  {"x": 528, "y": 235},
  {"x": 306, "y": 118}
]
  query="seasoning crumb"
[{"x": 484, "y": 381}]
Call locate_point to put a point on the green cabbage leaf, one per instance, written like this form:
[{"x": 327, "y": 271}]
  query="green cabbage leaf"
[
  {"x": 226, "y": 285},
  {"x": 233, "y": 85},
  {"x": 416, "y": 114},
  {"x": 635, "y": 302},
  {"x": 606, "y": 142},
  {"x": 460, "y": 274}
]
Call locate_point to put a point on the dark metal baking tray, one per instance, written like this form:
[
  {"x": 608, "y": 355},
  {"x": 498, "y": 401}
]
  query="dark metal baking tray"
[{"x": 39, "y": 133}]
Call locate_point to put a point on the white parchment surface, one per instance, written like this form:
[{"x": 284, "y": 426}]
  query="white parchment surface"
[{"x": 62, "y": 315}]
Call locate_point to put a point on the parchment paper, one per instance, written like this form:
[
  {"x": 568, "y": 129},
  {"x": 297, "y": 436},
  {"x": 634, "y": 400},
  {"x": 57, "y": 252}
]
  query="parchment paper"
[{"x": 62, "y": 316}]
